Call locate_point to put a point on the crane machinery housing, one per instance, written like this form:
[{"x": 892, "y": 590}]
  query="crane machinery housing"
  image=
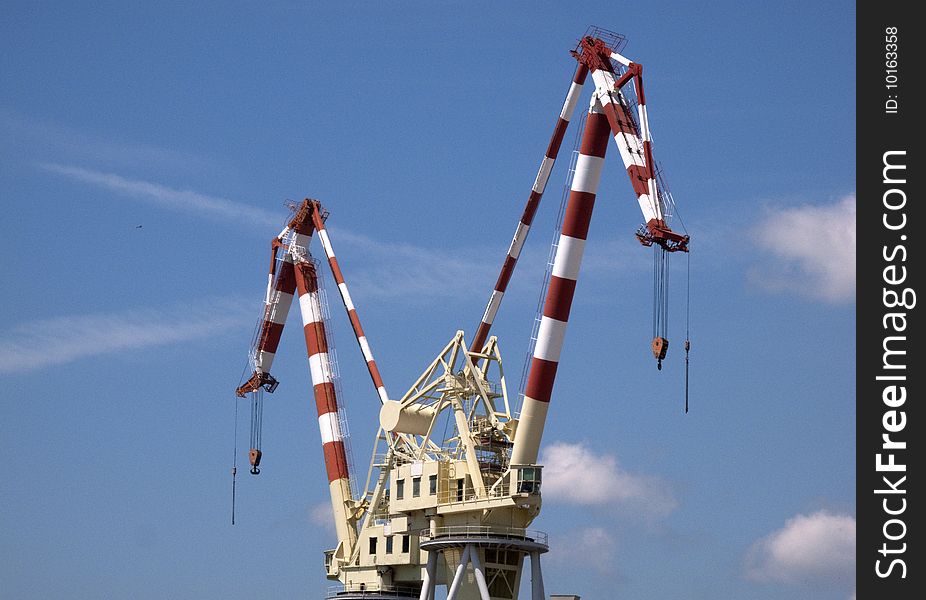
[{"x": 454, "y": 483}]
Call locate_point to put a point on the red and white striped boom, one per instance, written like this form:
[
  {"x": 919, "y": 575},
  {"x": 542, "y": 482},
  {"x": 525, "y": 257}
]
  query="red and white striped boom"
[
  {"x": 633, "y": 141},
  {"x": 281, "y": 285},
  {"x": 319, "y": 222},
  {"x": 609, "y": 115},
  {"x": 533, "y": 202},
  {"x": 293, "y": 240},
  {"x": 326, "y": 402},
  {"x": 292, "y": 270},
  {"x": 562, "y": 287}
]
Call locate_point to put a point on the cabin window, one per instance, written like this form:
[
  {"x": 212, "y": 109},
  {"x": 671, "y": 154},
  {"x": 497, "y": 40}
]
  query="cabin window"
[
  {"x": 432, "y": 485},
  {"x": 372, "y": 546},
  {"x": 399, "y": 489},
  {"x": 529, "y": 480},
  {"x": 388, "y": 544},
  {"x": 416, "y": 487},
  {"x": 404, "y": 544}
]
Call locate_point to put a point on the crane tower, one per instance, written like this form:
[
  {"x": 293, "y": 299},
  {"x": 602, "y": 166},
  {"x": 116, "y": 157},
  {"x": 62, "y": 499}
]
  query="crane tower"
[{"x": 453, "y": 483}]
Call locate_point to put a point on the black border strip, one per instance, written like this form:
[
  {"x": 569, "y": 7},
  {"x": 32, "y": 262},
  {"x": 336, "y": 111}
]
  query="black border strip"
[{"x": 891, "y": 232}]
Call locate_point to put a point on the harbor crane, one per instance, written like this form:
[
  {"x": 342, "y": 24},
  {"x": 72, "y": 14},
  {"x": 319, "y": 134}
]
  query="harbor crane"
[{"x": 454, "y": 483}]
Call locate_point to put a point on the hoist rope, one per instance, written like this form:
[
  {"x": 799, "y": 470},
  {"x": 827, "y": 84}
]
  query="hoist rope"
[
  {"x": 235, "y": 464},
  {"x": 665, "y": 292},
  {"x": 660, "y": 292},
  {"x": 257, "y": 421},
  {"x": 687, "y": 326},
  {"x": 655, "y": 289}
]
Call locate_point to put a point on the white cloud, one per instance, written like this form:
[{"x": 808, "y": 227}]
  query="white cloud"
[
  {"x": 415, "y": 273},
  {"x": 814, "y": 548},
  {"x": 601, "y": 546},
  {"x": 389, "y": 270},
  {"x": 812, "y": 251},
  {"x": 170, "y": 198},
  {"x": 573, "y": 473},
  {"x": 322, "y": 514},
  {"x": 25, "y": 134},
  {"x": 61, "y": 340},
  {"x": 600, "y": 550}
]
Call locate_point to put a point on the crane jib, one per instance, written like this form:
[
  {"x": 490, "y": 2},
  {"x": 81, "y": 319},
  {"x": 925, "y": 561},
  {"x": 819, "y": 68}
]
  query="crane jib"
[{"x": 454, "y": 477}]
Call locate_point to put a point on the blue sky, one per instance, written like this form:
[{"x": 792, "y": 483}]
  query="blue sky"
[{"x": 420, "y": 126}]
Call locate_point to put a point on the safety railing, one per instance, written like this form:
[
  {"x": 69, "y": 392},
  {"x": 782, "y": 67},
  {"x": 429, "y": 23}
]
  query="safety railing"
[
  {"x": 372, "y": 591},
  {"x": 450, "y": 494},
  {"x": 485, "y": 532}
]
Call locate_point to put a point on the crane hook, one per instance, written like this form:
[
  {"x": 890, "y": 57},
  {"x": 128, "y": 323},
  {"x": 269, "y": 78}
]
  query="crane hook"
[
  {"x": 659, "y": 346},
  {"x": 254, "y": 458}
]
